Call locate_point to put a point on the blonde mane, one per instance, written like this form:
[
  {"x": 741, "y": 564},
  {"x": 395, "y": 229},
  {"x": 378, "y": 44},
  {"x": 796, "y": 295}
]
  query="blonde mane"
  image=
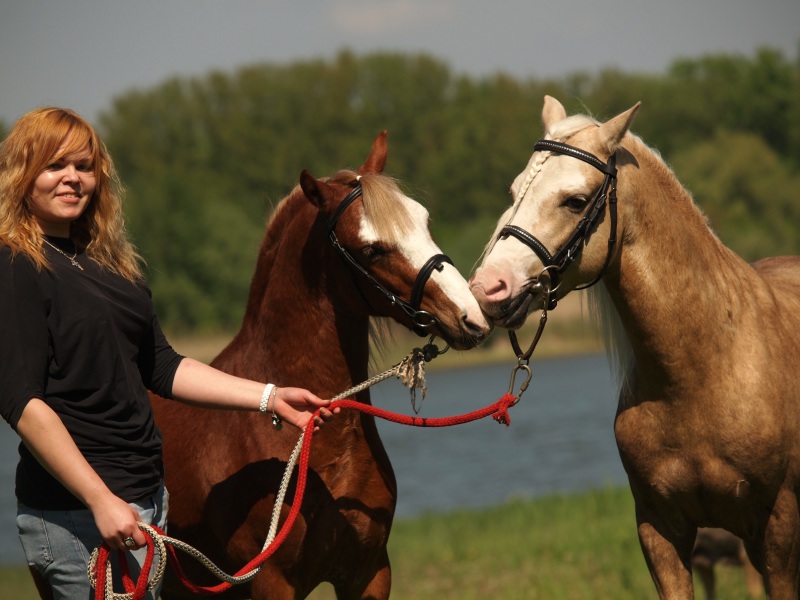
[{"x": 606, "y": 318}]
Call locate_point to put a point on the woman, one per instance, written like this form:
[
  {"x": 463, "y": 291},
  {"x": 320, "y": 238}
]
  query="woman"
[{"x": 80, "y": 346}]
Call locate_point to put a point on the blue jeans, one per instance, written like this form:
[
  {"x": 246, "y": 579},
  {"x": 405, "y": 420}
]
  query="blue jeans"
[{"x": 59, "y": 544}]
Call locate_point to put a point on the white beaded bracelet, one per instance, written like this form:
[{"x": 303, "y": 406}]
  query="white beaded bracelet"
[{"x": 265, "y": 397}]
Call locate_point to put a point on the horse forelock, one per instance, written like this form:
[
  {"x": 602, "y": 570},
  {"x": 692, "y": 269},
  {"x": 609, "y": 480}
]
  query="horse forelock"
[
  {"x": 566, "y": 128},
  {"x": 559, "y": 132},
  {"x": 383, "y": 208}
]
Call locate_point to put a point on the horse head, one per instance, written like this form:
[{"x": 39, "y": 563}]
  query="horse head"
[
  {"x": 395, "y": 267},
  {"x": 561, "y": 231}
]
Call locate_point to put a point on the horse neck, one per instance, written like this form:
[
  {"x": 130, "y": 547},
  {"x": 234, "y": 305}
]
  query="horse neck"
[
  {"x": 296, "y": 329},
  {"x": 673, "y": 277}
]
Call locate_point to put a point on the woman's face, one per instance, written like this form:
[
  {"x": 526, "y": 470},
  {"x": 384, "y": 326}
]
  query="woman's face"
[{"x": 62, "y": 191}]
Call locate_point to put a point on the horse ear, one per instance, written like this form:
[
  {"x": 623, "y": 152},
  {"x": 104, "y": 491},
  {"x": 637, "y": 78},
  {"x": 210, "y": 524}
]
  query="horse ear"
[
  {"x": 377, "y": 156},
  {"x": 314, "y": 189},
  {"x": 552, "y": 112},
  {"x": 614, "y": 130}
]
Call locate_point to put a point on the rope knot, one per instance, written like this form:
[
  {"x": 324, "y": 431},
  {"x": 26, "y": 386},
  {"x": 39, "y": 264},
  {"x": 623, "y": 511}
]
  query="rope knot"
[
  {"x": 411, "y": 372},
  {"x": 501, "y": 414}
]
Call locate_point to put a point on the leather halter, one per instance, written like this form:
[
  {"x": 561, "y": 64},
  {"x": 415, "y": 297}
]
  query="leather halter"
[
  {"x": 556, "y": 264},
  {"x": 422, "y": 319}
]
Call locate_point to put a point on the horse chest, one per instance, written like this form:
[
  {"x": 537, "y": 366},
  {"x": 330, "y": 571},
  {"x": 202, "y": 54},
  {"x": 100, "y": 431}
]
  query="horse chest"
[{"x": 675, "y": 458}]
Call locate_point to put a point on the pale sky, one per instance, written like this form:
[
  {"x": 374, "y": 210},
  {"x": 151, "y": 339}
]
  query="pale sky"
[{"x": 82, "y": 53}]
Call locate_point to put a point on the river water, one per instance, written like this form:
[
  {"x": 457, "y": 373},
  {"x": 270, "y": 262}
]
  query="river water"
[{"x": 560, "y": 440}]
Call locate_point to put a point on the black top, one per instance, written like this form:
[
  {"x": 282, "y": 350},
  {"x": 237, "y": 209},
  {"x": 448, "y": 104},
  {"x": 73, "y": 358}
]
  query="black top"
[{"x": 88, "y": 343}]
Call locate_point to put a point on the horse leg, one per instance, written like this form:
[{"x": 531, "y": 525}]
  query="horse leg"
[
  {"x": 705, "y": 573},
  {"x": 755, "y": 584},
  {"x": 781, "y": 552},
  {"x": 667, "y": 551}
]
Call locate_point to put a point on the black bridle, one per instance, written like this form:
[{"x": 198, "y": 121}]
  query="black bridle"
[
  {"x": 422, "y": 319},
  {"x": 556, "y": 264}
]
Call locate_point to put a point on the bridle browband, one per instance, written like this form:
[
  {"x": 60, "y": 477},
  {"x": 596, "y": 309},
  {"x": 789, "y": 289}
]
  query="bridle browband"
[
  {"x": 422, "y": 319},
  {"x": 556, "y": 264}
]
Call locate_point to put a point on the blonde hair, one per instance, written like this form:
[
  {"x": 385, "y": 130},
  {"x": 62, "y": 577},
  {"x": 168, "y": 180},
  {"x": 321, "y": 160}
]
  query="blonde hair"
[{"x": 42, "y": 137}]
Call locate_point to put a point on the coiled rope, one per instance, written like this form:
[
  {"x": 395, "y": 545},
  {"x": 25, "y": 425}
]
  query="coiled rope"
[{"x": 410, "y": 371}]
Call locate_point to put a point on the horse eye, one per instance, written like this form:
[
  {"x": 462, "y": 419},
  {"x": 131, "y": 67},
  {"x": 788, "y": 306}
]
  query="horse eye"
[
  {"x": 576, "y": 203},
  {"x": 374, "y": 251}
]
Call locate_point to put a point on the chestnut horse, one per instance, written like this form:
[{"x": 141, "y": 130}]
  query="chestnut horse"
[
  {"x": 706, "y": 346},
  {"x": 336, "y": 252}
]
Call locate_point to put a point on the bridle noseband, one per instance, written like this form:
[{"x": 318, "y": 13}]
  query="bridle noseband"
[
  {"x": 556, "y": 264},
  {"x": 422, "y": 319}
]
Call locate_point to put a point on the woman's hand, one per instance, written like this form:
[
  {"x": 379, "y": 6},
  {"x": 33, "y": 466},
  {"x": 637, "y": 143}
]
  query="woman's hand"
[
  {"x": 297, "y": 405},
  {"x": 202, "y": 385},
  {"x": 44, "y": 434},
  {"x": 117, "y": 520}
]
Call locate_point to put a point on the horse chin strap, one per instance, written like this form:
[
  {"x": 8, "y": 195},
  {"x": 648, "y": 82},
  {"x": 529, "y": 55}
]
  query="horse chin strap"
[
  {"x": 423, "y": 320},
  {"x": 556, "y": 264}
]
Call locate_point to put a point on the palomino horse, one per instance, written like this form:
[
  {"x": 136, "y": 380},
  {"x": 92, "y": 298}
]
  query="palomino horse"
[
  {"x": 706, "y": 345},
  {"x": 336, "y": 251}
]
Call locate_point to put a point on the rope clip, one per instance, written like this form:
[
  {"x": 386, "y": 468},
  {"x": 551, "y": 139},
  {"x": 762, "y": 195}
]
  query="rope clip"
[{"x": 522, "y": 365}]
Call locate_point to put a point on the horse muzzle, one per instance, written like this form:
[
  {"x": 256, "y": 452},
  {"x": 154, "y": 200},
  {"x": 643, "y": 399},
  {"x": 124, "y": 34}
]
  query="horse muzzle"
[{"x": 512, "y": 313}]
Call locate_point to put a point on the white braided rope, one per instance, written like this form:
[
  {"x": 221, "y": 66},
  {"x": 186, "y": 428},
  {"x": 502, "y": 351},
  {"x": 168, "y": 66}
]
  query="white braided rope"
[
  {"x": 411, "y": 373},
  {"x": 160, "y": 563}
]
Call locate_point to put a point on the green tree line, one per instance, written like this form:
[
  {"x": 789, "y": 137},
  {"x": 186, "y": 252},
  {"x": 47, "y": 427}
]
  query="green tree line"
[{"x": 205, "y": 159}]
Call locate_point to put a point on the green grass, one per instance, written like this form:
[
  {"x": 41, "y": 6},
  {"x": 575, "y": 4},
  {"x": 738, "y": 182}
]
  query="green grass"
[
  {"x": 16, "y": 583},
  {"x": 574, "y": 547},
  {"x": 553, "y": 548}
]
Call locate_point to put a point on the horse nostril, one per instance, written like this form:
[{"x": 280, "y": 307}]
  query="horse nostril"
[
  {"x": 489, "y": 285},
  {"x": 497, "y": 290}
]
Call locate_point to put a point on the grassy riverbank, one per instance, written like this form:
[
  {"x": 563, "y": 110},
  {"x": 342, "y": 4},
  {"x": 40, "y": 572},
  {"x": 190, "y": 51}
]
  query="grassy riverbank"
[{"x": 577, "y": 547}]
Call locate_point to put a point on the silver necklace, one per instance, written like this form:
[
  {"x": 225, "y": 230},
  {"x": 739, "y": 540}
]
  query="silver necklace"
[{"x": 71, "y": 259}]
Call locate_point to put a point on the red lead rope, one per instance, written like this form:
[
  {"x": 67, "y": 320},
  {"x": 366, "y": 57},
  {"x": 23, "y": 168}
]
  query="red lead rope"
[{"x": 498, "y": 410}]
